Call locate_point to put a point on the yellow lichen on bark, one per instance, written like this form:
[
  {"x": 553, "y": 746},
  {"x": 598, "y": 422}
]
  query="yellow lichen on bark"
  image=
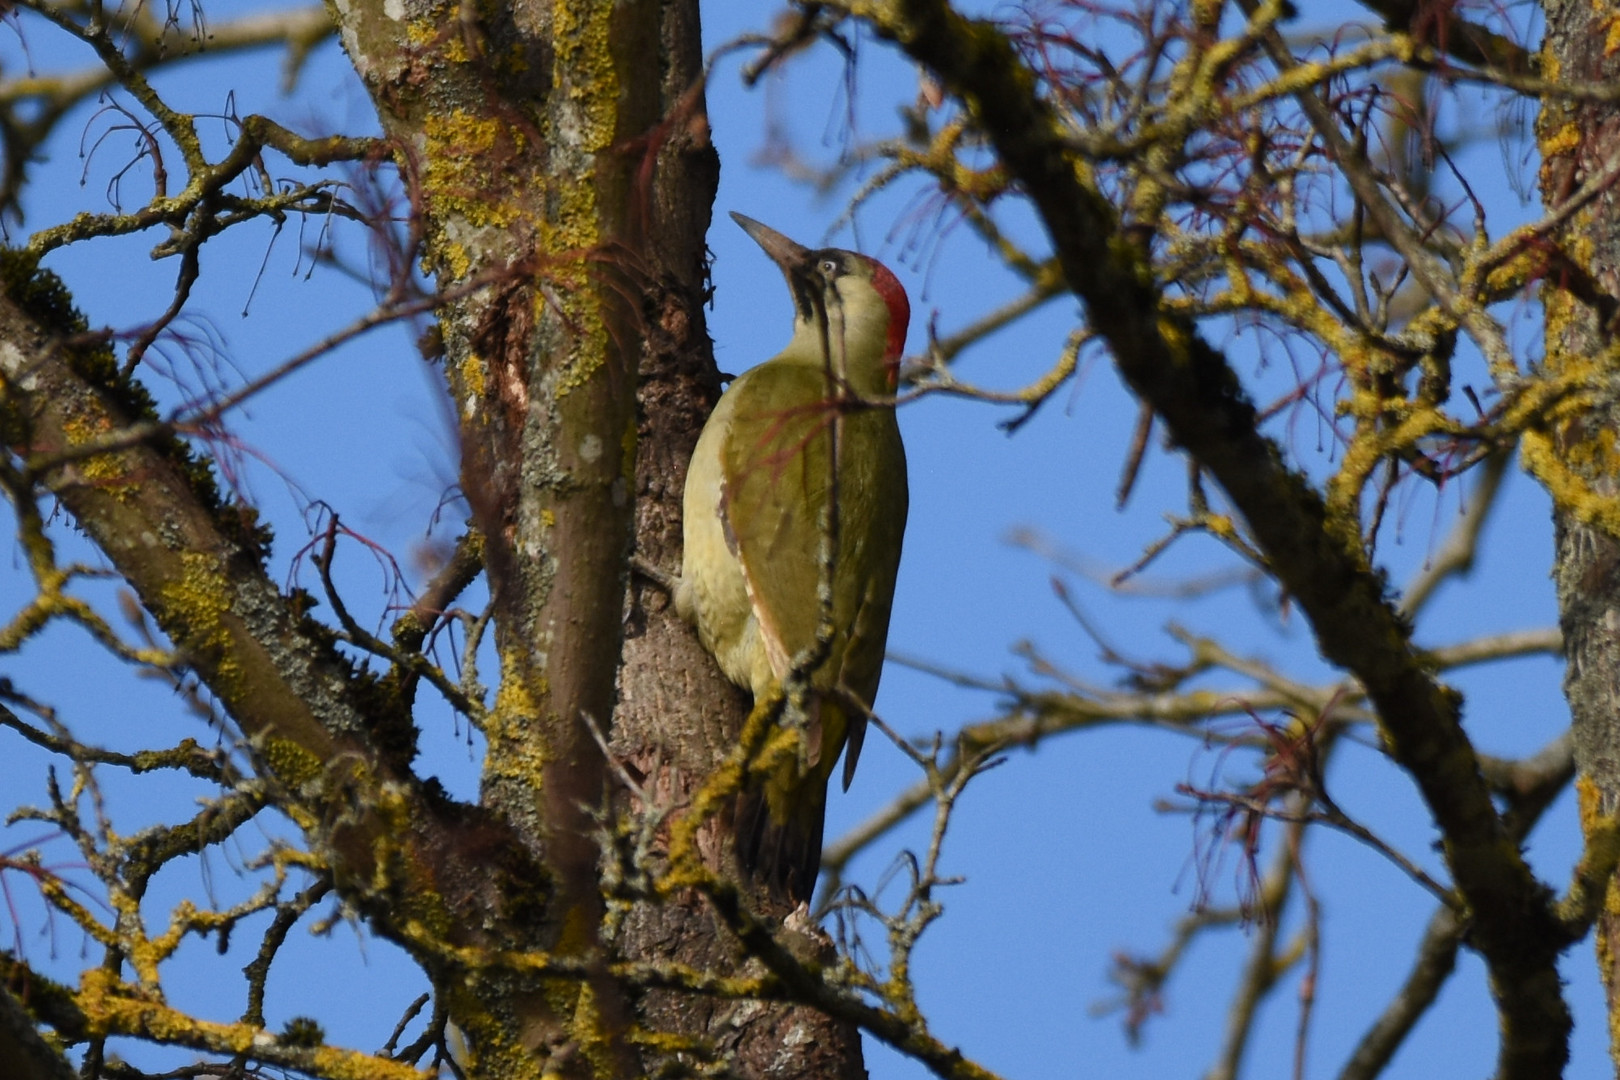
[
  {"x": 511, "y": 721},
  {"x": 288, "y": 761},
  {"x": 1569, "y": 489},
  {"x": 686, "y": 865},
  {"x": 1561, "y": 141},
  {"x": 586, "y": 78},
  {"x": 112, "y": 1007},
  {"x": 198, "y": 599},
  {"x": 458, "y": 149},
  {"x": 1589, "y": 805},
  {"x": 471, "y": 369}
]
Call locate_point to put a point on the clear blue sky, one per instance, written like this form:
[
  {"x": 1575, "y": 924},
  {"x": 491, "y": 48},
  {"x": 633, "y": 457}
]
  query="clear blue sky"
[{"x": 1065, "y": 859}]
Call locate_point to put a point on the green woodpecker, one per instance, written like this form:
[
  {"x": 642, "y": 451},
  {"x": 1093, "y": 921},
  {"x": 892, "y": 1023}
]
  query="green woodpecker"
[{"x": 795, "y": 510}]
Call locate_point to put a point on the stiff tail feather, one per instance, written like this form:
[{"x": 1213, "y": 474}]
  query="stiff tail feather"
[{"x": 783, "y": 855}]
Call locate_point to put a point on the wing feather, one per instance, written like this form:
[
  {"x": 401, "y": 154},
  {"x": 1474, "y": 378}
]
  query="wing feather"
[{"x": 778, "y": 476}]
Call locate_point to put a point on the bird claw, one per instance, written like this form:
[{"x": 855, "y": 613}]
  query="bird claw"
[{"x": 665, "y": 581}]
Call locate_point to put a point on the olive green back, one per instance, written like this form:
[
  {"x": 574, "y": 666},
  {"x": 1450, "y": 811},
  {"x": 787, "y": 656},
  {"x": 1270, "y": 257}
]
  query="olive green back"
[{"x": 778, "y": 485}]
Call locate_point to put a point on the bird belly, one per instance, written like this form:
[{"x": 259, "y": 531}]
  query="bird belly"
[{"x": 713, "y": 593}]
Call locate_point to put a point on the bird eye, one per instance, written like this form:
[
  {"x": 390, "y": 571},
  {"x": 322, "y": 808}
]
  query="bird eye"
[{"x": 829, "y": 266}]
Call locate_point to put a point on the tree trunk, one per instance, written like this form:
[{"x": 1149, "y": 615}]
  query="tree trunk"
[
  {"x": 550, "y": 165},
  {"x": 1578, "y": 455}
]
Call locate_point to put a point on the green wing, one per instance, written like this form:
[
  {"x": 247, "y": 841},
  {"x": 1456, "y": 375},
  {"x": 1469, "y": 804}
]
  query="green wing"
[{"x": 778, "y": 483}]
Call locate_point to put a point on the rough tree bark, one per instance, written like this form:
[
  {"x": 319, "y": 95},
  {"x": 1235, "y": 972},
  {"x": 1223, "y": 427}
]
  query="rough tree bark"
[
  {"x": 1577, "y": 457},
  {"x": 558, "y": 159},
  {"x": 551, "y": 162},
  {"x": 562, "y": 175}
]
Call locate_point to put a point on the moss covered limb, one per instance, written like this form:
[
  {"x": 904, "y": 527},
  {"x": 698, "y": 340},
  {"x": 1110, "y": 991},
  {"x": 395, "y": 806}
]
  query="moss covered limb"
[
  {"x": 195, "y": 561},
  {"x": 1316, "y": 556}
]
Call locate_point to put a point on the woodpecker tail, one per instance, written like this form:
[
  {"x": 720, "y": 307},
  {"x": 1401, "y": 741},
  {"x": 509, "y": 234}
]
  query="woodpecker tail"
[
  {"x": 782, "y": 852},
  {"x": 780, "y": 815}
]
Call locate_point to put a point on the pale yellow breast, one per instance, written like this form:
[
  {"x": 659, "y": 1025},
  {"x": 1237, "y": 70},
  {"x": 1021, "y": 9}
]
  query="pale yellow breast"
[{"x": 713, "y": 592}]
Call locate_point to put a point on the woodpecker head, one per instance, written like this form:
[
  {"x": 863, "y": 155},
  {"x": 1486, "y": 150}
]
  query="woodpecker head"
[{"x": 848, "y": 308}]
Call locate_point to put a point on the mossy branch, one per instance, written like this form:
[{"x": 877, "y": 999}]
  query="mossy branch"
[{"x": 1317, "y": 558}]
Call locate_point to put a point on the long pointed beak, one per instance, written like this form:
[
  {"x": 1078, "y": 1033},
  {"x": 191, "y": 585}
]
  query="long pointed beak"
[{"x": 790, "y": 256}]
